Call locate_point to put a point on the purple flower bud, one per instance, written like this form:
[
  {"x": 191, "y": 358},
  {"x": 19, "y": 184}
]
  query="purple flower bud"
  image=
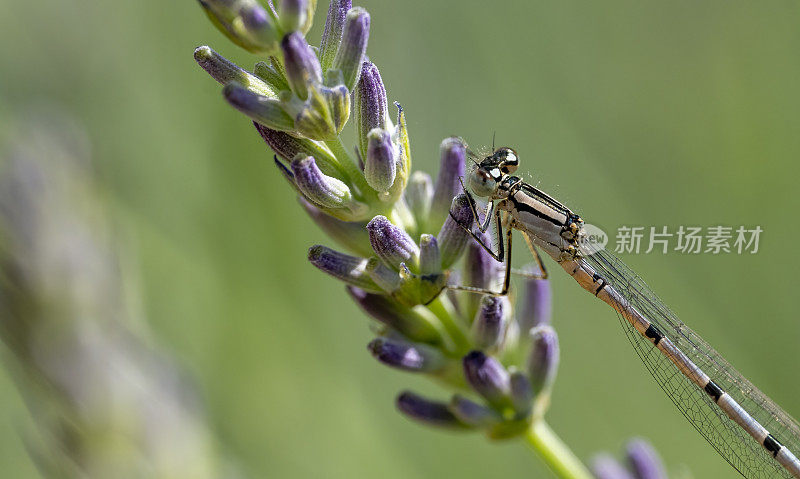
[
  {"x": 521, "y": 393},
  {"x": 406, "y": 356},
  {"x": 452, "y": 237},
  {"x": 537, "y": 305},
  {"x": 258, "y": 24},
  {"x": 224, "y": 71},
  {"x": 644, "y": 460},
  {"x": 317, "y": 187},
  {"x": 432, "y": 413},
  {"x": 453, "y": 160},
  {"x": 371, "y": 106},
  {"x": 430, "y": 258},
  {"x": 302, "y": 66},
  {"x": 288, "y": 146},
  {"x": 543, "y": 359},
  {"x": 288, "y": 176},
  {"x": 392, "y": 244},
  {"x": 606, "y": 467},
  {"x": 332, "y": 35},
  {"x": 483, "y": 271},
  {"x": 402, "y": 319},
  {"x": 381, "y": 164},
  {"x": 293, "y": 14},
  {"x": 350, "y": 234},
  {"x": 244, "y": 22},
  {"x": 259, "y": 108},
  {"x": 472, "y": 413},
  {"x": 419, "y": 194},
  {"x": 350, "y": 269},
  {"x": 354, "y": 44},
  {"x": 489, "y": 327},
  {"x": 487, "y": 377}
]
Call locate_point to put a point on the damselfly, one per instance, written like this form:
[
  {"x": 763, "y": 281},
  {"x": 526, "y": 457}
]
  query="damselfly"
[{"x": 748, "y": 429}]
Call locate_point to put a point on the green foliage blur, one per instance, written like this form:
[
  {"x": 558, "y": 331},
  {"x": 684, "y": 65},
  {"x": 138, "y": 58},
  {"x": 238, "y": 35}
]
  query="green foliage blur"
[{"x": 632, "y": 113}]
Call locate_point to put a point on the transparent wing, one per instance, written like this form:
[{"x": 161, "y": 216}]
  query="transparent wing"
[{"x": 732, "y": 442}]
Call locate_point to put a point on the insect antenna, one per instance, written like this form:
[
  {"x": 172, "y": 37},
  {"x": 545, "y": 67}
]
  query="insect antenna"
[{"x": 472, "y": 156}]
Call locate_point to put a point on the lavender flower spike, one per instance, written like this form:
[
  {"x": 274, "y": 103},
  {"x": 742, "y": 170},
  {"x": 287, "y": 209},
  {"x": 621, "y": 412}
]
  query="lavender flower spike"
[
  {"x": 380, "y": 166},
  {"x": 267, "y": 111},
  {"x": 321, "y": 189},
  {"x": 487, "y": 377},
  {"x": 350, "y": 269},
  {"x": 353, "y": 47},
  {"x": 371, "y": 107},
  {"x": 453, "y": 160},
  {"x": 644, "y": 460},
  {"x": 543, "y": 359},
  {"x": 392, "y": 244},
  {"x": 452, "y": 237},
  {"x": 302, "y": 66},
  {"x": 406, "y": 356},
  {"x": 332, "y": 34},
  {"x": 488, "y": 329},
  {"x": 429, "y": 412},
  {"x": 224, "y": 71}
]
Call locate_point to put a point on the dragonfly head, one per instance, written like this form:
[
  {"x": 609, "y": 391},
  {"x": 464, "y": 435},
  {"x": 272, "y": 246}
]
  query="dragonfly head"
[{"x": 490, "y": 174}]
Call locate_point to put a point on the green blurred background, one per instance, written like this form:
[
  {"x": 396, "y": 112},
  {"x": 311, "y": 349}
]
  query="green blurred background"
[{"x": 633, "y": 113}]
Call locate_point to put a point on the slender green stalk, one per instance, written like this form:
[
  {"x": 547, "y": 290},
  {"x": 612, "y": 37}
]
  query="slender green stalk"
[
  {"x": 350, "y": 167},
  {"x": 554, "y": 452},
  {"x": 444, "y": 310}
]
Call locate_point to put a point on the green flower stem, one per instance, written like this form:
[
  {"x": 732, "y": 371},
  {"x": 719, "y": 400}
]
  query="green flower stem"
[
  {"x": 445, "y": 311},
  {"x": 554, "y": 452},
  {"x": 351, "y": 168}
]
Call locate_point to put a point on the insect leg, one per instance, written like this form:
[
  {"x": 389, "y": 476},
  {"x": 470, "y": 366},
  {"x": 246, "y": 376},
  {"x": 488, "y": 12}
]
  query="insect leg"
[
  {"x": 504, "y": 250},
  {"x": 487, "y": 216},
  {"x": 537, "y": 259}
]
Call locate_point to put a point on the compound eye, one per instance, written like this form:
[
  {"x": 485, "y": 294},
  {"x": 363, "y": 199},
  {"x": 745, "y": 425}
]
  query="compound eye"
[
  {"x": 510, "y": 160},
  {"x": 482, "y": 184}
]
